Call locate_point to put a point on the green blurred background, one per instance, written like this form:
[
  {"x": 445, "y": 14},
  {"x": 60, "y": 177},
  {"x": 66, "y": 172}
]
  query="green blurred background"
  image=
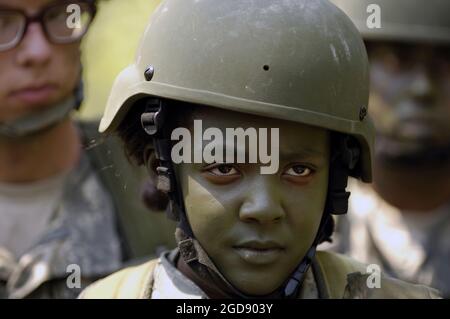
[{"x": 110, "y": 46}]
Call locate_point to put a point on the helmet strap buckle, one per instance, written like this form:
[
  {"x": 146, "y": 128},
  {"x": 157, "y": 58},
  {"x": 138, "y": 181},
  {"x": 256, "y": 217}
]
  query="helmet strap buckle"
[
  {"x": 344, "y": 161},
  {"x": 152, "y": 119}
]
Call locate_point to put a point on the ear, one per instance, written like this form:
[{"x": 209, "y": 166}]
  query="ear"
[{"x": 153, "y": 198}]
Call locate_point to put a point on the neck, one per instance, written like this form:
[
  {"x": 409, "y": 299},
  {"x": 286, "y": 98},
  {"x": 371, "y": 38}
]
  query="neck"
[
  {"x": 43, "y": 155},
  {"x": 413, "y": 189}
]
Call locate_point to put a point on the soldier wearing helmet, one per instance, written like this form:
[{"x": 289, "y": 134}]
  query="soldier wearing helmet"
[
  {"x": 402, "y": 221},
  {"x": 295, "y": 67},
  {"x": 60, "y": 205}
]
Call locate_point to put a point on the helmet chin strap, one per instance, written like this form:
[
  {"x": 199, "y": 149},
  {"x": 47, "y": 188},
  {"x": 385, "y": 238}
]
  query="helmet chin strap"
[
  {"x": 41, "y": 120},
  {"x": 345, "y": 156}
]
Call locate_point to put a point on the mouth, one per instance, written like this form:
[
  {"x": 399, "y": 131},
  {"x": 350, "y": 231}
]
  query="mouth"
[
  {"x": 259, "y": 252},
  {"x": 38, "y": 94}
]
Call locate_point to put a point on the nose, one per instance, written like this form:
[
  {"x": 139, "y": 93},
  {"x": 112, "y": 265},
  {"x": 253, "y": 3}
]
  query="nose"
[
  {"x": 34, "y": 50},
  {"x": 263, "y": 203}
]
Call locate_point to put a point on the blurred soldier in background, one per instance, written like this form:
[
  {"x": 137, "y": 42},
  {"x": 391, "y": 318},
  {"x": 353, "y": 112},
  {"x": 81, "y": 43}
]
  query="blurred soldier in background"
[
  {"x": 64, "y": 209},
  {"x": 402, "y": 221}
]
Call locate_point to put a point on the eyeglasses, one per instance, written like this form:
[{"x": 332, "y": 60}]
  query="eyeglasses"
[{"x": 63, "y": 22}]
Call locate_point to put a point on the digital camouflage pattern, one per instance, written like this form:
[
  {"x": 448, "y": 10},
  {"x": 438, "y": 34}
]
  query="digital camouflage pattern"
[
  {"x": 101, "y": 225},
  {"x": 378, "y": 233},
  {"x": 82, "y": 232}
]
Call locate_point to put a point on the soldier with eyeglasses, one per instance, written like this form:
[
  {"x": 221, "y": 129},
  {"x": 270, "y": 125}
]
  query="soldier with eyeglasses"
[{"x": 62, "y": 203}]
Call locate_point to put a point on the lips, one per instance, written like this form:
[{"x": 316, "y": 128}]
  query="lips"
[
  {"x": 259, "y": 252},
  {"x": 37, "y": 94}
]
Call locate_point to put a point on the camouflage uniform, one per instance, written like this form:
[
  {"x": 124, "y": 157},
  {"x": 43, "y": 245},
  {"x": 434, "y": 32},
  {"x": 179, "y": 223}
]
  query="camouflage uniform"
[
  {"x": 331, "y": 276},
  {"x": 378, "y": 233},
  {"x": 82, "y": 232},
  {"x": 100, "y": 225},
  {"x": 171, "y": 283}
]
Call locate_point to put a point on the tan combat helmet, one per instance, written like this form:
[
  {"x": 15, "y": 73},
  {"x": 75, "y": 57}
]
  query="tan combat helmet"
[{"x": 306, "y": 67}]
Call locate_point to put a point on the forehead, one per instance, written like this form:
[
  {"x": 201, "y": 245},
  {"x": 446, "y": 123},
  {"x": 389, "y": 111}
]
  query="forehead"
[
  {"x": 293, "y": 137},
  {"x": 29, "y": 6}
]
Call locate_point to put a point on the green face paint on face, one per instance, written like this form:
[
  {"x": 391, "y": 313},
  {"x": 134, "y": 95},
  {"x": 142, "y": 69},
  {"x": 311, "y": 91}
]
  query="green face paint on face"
[{"x": 256, "y": 228}]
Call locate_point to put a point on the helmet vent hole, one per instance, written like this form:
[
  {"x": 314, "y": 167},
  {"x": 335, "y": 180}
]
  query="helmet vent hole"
[{"x": 266, "y": 67}]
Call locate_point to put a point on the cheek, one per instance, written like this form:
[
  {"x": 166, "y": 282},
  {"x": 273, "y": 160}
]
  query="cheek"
[
  {"x": 304, "y": 210},
  {"x": 6, "y": 74},
  {"x": 209, "y": 218},
  {"x": 66, "y": 66}
]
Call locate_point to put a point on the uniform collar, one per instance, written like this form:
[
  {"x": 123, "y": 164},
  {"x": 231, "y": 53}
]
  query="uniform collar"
[{"x": 170, "y": 283}]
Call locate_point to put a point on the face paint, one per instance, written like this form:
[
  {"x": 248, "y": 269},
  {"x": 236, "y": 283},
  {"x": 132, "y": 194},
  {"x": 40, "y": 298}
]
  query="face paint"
[
  {"x": 256, "y": 228},
  {"x": 410, "y": 100}
]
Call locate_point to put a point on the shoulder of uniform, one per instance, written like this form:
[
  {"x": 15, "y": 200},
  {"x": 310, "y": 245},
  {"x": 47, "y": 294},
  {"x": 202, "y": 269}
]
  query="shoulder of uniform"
[
  {"x": 331, "y": 271},
  {"x": 129, "y": 283},
  {"x": 391, "y": 288},
  {"x": 340, "y": 276},
  {"x": 339, "y": 262}
]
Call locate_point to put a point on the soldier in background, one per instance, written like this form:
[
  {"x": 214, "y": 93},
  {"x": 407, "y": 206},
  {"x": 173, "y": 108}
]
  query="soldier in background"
[
  {"x": 402, "y": 221},
  {"x": 64, "y": 201}
]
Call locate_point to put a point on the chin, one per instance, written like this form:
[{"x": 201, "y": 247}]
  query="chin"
[
  {"x": 257, "y": 286},
  {"x": 259, "y": 291}
]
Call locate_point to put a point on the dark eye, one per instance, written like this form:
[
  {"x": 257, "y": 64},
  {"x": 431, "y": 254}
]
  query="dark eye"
[
  {"x": 223, "y": 170},
  {"x": 299, "y": 170}
]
